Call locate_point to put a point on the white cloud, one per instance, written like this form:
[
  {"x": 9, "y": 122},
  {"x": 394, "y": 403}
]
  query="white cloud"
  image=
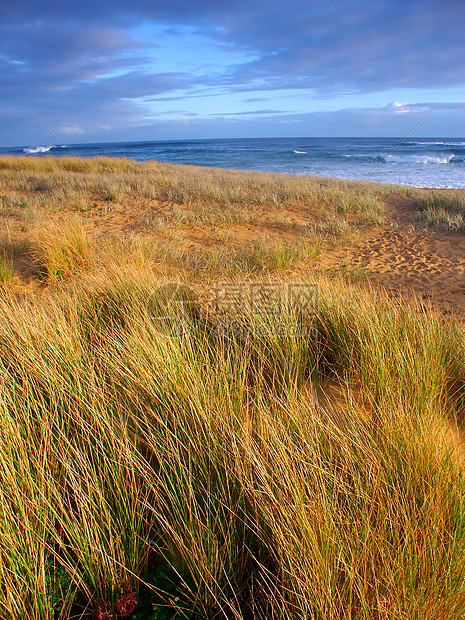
[
  {"x": 72, "y": 130},
  {"x": 400, "y": 107}
]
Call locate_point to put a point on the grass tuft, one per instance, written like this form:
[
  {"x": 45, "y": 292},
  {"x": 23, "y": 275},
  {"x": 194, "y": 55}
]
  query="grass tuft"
[
  {"x": 444, "y": 209},
  {"x": 61, "y": 250}
]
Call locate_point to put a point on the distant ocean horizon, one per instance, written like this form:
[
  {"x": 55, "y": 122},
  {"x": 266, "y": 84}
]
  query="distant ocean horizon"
[{"x": 417, "y": 162}]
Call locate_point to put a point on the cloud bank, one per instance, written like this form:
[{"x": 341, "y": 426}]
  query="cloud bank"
[{"x": 113, "y": 69}]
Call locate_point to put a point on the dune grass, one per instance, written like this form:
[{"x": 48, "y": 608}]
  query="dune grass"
[
  {"x": 192, "y": 463},
  {"x": 444, "y": 209},
  {"x": 194, "y": 195},
  {"x": 61, "y": 250},
  {"x": 80, "y": 215}
]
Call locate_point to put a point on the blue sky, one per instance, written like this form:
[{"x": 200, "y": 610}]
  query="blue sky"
[{"x": 178, "y": 69}]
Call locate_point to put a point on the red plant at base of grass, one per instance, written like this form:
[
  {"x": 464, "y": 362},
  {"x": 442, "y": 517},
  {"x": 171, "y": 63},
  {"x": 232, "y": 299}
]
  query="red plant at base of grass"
[
  {"x": 126, "y": 605},
  {"x": 124, "y": 608}
]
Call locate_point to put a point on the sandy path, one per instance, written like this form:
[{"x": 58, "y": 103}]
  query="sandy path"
[{"x": 405, "y": 258}]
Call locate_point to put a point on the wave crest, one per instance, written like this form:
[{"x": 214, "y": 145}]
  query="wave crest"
[
  {"x": 454, "y": 143},
  {"x": 38, "y": 149},
  {"x": 409, "y": 159},
  {"x": 421, "y": 159}
]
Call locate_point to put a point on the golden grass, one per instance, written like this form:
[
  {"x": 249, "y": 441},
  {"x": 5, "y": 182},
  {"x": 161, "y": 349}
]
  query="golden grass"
[
  {"x": 201, "y": 442},
  {"x": 166, "y": 217},
  {"x": 62, "y": 250},
  {"x": 231, "y": 196}
]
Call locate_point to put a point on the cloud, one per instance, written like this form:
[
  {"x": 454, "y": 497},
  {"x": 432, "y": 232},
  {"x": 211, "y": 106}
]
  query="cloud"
[
  {"x": 350, "y": 44},
  {"x": 368, "y": 121},
  {"x": 66, "y": 53},
  {"x": 72, "y": 130},
  {"x": 249, "y": 113},
  {"x": 424, "y": 119},
  {"x": 358, "y": 47},
  {"x": 105, "y": 64},
  {"x": 400, "y": 108}
]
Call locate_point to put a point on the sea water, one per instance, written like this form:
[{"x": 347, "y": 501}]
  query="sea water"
[{"x": 418, "y": 162}]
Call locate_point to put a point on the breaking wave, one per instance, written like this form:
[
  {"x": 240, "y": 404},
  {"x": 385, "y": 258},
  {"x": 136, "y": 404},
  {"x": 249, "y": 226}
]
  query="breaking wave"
[
  {"x": 300, "y": 152},
  {"x": 410, "y": 159},
  {"x": 421, "y": 159},
  {"x": 38, "y": 149}
]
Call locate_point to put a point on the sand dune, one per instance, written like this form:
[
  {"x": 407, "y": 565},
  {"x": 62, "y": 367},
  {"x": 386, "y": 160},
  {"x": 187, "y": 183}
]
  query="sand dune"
[{"x": 407, "y": 258}]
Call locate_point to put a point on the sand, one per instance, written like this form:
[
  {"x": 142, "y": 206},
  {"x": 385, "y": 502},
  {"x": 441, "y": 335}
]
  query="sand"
[
  {"x": 406, "y": 258},
  {"x": 401, "y": 256}
]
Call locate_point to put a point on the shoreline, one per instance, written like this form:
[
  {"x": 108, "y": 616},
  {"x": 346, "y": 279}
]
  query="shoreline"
[
  {"x": 418, "y": 162},
  {"x": 123, "y": 159}
]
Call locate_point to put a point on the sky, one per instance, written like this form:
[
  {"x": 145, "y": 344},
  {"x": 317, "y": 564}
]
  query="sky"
[{"x": 118, "y": 70}]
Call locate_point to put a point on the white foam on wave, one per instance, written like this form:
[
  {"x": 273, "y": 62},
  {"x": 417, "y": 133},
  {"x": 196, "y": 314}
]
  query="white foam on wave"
[
  {"x": 38, "y": 149},
  {"x": 408, "y": 159},
  {"x": 420, "y": 159},
  {"x": 300, "y": 152},
  {"x": 460, "y": 143}
]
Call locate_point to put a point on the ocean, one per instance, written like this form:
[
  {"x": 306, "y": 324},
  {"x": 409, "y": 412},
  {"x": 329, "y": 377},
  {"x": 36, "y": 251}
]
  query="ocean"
[{"x": 418, "y": 162}]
